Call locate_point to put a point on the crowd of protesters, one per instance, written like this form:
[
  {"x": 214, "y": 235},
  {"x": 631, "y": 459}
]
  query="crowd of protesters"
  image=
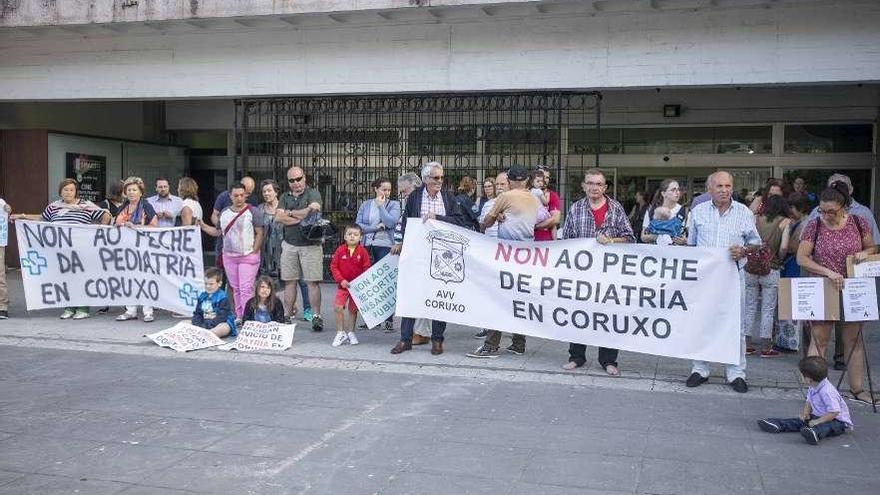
[{"x": 781, "y": 230}]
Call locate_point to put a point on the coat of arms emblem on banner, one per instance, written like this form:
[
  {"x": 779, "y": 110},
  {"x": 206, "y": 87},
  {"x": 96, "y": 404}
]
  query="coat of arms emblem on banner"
[{"x": 447, "y": 255}]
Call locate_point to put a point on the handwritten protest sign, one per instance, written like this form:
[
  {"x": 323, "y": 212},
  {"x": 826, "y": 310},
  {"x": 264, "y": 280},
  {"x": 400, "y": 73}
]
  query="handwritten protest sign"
[
  {"x": 185, "y": 337},
  {"x": 669, "y": 301},
  {"x": 96, "y": 265},
  {"x": 375, "y": 291},
  {"x": 4, "y": 224},
  {"x": 256, "y": 336}
]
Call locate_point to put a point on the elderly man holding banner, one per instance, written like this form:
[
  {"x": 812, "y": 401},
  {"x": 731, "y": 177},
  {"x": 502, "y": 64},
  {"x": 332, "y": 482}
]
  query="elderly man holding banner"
[
  {"x": 599, "y": 216},
  {"x": 723, "y": 222},
  {"x": 429, "y": 202}
]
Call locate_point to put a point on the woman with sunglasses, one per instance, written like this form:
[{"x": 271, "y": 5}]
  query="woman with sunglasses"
[{"x": 825, "y": 244}]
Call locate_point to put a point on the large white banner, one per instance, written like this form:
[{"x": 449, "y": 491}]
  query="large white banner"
[
  {"x": 96, "y": 265},
  {"x": 375, "y": 290},
  {"x": 670, "y": 301}
]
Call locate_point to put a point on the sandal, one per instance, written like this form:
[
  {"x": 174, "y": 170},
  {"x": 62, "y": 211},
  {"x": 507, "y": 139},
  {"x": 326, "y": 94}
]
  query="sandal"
[{"x": 854, "y": 396}]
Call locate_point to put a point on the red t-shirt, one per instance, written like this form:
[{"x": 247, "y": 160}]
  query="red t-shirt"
[
  {"x": 553, "y": 205},
  {"x": 599, "y": 215}
]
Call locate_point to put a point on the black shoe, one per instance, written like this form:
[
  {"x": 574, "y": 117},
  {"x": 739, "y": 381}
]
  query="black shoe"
[
  {"x": 4, "y": 315},
  {"x": 740, "y": 385},
  {"x": 810, "y": 435},
  {"x": 103, "y": 311},
  {"x": 484, "y": 351},
  {"x": 519, "y": 351},
  {"x": 839, "y": 366},
  {"x": 481, "y": 334},
  {"x": 317, "y": 323},
  {"x": 696, "y": 379},
  {"x": 769, "y": 426}
]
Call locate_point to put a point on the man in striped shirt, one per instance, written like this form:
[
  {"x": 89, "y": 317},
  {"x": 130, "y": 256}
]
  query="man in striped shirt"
[{"x": 723, "y": 222}]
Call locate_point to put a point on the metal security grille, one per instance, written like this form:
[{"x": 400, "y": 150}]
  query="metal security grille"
[{"x": 344, "y": 143}]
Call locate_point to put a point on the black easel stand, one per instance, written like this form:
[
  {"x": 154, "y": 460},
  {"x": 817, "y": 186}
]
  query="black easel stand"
[{"x": 861, "y": 338}]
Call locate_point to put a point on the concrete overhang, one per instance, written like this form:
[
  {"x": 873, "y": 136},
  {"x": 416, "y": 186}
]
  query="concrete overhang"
[{"x": 122, "y": 15}]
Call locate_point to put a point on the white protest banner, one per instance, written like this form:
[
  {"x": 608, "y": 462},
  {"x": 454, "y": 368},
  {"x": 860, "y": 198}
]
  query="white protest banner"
[
  {"x": 185, "y": 337},
  {"x": 860, "y": 299},
  {"x": 681, "y": 302},
  {"x": 375, "y": 291},
  {"x": 97, "y": 265},
  {"x": 257, "y": 336}
]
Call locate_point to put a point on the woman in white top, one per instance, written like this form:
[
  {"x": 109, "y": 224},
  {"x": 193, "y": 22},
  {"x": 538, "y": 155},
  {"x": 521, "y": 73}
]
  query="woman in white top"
[
  {"x": 188, "y": 190},
  {"x": 668, "y": 195}
]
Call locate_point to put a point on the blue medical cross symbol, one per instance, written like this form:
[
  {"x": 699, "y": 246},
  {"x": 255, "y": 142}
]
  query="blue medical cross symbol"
[
  {"x": 188, "y": 294},
  {"x": 34, "y": 263}
]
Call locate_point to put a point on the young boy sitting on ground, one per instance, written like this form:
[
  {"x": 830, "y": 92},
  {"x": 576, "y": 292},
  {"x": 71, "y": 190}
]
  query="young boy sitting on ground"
[
  {"x": 213, "y": 311},
  {"x": 825, "y": 414},
  {"x": 348, "y": 262}
]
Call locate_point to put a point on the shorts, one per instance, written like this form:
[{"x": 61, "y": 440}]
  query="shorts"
[
  {"x": 343, "y": 296},
  {"x": 302, "y": 262}
]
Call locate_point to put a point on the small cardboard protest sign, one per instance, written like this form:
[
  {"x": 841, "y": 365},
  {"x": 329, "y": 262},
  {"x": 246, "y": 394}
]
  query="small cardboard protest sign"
[
  {"x": 808, "y": 299},
  {"x": 859, "y": 296},
  {"x": 256, "y": 336},
  {"x": 375, "y": 291},
  {"x": 868, "y": 268},
  {"x": 185, "y": 337}
]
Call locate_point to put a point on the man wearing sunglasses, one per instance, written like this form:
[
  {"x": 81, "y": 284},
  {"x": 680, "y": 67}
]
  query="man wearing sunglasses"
[
  {"x": 300, "y": 257},
  {"x": 429, "y": 202}
]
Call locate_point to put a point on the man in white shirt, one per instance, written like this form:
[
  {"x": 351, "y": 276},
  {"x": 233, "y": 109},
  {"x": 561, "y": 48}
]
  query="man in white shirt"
[
  {"x": 167, "y": 205},
  {"x": 723, "y": 222}
]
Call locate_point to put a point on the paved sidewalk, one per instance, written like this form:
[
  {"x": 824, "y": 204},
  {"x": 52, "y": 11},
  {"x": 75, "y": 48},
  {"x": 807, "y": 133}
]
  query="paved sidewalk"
[
  {"x": 101, "y": 423},
  {"x": 767, "y": 377}
]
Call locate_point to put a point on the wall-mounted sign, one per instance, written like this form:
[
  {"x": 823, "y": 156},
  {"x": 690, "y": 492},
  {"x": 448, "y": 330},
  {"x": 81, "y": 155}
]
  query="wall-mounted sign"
[{"x": 90, "y": 171}]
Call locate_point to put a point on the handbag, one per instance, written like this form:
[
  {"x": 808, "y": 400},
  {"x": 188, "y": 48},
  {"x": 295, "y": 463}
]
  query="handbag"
[
  {"x": 219, "y": 262},
  {"x": 758, "y": 261},
  {"x": 319, "y": 230}
]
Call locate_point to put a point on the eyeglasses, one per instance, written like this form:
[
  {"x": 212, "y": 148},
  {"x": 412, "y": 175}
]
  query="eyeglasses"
[
  {"x": 291, "y": 180},
  {"x": 436, "y": 177},
  {"x": 829, "y": 212}
]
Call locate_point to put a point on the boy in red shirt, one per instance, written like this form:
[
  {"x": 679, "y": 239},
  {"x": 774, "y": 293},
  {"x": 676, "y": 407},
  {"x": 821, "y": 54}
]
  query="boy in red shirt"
[{"x": 349, "y": 261}]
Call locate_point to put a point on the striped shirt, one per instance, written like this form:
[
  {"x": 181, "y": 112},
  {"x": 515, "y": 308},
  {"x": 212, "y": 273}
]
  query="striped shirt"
[
  {"x": 85, "y": 212},
  {"x": 707, "y": 227}
]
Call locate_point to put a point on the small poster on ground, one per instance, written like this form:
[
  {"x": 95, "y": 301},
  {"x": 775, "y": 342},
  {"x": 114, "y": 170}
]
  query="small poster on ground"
[
  {"x": 860, "y": 299},
  {"x": 256, "y": 336},
  {"x": 185, "y": 337}
]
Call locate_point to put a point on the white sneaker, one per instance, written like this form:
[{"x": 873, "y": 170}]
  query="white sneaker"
[
  {"x": 67, "y": 314},
  {"x": 352, "y": 338},
  {"x": 339, "y": 339},
  {"x": 126, "y": 317},
  {"x": 80, "y": 315},
  {"x": 148, "y": 318}
]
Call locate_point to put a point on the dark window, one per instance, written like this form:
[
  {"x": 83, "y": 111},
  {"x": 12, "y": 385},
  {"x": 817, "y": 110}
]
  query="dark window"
[{"x": 849, "y": 138}]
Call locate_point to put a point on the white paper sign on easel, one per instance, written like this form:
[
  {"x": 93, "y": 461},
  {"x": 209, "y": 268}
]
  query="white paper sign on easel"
[
  {"x": 807, "y": 299},
  {"x": 860, "y": 300}
]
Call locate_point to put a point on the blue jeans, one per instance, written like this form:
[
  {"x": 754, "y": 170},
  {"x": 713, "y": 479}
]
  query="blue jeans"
[
  {"x": 304, "y": 290},
  {"x": 829, "y": 429},
  {"x": 407, "y": 325}
]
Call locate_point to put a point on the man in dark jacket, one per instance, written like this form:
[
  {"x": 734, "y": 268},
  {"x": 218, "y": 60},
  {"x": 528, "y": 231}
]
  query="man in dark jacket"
[{"x": 429, "y": 202}]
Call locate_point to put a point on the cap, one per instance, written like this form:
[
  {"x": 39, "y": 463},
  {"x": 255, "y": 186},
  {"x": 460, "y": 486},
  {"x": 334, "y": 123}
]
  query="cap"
[{"x": 517, "y": 173}]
